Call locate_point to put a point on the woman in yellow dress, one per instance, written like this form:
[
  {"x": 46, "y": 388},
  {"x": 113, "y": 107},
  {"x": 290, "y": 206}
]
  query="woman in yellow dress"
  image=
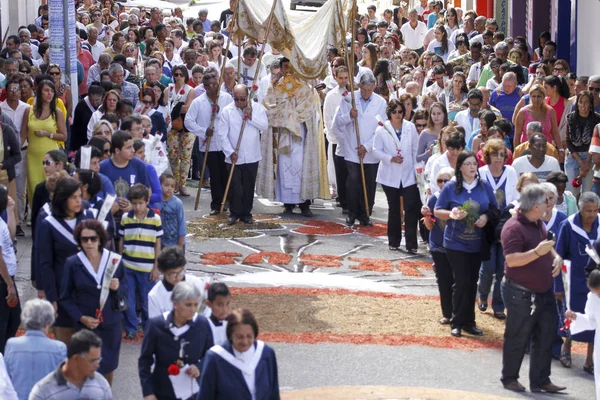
[{"x": 43, "y": 127}]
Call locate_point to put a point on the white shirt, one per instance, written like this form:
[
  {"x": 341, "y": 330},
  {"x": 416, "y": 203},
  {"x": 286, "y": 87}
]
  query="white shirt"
[
  {"x": 463, "y": 119},
  {"x": 386, "y": 145},
  {"x": 436, "y": 46},
  {"x": 343, "y": 127},
  {"x": 178, "y": 51},
  {"x": 15, "y": 115},
  {"x": 246, "y": 357},
  {"x": 159, "y": 298},
  {"x": 96, "y": 116},
  {"x": 97, "y": 49},
  {"x": 330, "y": 106},
  {"x": 197, "y": 119},
  {"x": 230, "y": 124},
  {"x": 522, "y": 165},
  {"x": 8, "y": 251},
  {"x": 439, "y": 163},
  {"x": 247, "y": 74},
  {"x": 361, "y": 72},
  {"x": 219, "y": 332},
  {"x": 7, "y": 391},
  {"x": 155, "y": 153},
  {"x": 474, "y": 73},
  {"x": 413, "y": 38}
]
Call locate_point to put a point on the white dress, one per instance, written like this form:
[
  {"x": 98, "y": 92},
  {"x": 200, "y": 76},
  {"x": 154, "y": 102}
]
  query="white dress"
[{"x": 589, "y": 322}]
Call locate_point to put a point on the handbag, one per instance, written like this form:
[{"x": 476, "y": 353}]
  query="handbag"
[
  {"x": 119, "y": 302},
  {"x": 178, "y": 118}
]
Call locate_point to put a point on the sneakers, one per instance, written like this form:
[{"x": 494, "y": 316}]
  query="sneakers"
[{"x": 20, "y": 231}]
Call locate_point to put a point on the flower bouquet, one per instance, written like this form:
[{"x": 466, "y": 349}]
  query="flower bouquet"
[
  {"x": 468, "y": 213},
  {"x": 422, "y": 181}
]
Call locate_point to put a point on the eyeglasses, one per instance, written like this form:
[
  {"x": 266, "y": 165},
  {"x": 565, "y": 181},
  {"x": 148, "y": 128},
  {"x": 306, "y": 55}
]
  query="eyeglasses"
[
  {"x": 106, "y": 151},
  {"x": 558, "y": 69},
  {"x": 420, "y": 125},
  {"x": 96, "y": 15},
  {"x": 238, "y": 99},
  {"x": 47, "y": 163},
  {"x": 88, "y": 239},
  {"x": 148, "y": 102},
  {"x": 172, "y": 275},
  {"x": 502, "y": 155},
  {"x": 15, "y": 89},
  {"x": 594, "y": 89},
  {"x": 442, "y": 181},
  {"x": 474, "y": 104},
  {"x": 396, "y": 112}
]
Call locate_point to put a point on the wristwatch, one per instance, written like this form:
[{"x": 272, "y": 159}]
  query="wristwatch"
[{"x": 52, "y": 135}]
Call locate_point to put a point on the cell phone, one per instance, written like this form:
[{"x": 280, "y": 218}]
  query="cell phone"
[{"x": 550, "y": 235}]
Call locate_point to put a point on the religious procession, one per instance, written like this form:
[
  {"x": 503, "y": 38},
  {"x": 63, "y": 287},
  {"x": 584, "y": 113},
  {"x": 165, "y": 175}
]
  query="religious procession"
[{"x": 226, "y": 182}]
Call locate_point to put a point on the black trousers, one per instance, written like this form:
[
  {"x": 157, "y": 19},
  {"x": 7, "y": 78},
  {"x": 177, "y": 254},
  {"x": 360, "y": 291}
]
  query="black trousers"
[
  {"x": 341, "y": 176},
  {"x": 10, "y": 318},
  {"x": 465, "y": 268},
  {"x": 354, "y": 190},
  {"x": 218, "y": 178},
  {"x": 521, "y": 326},
  {"x": 241, "y": 191},
  {"x": 445, "y": 281},
  {"x": 412, "y": 206}
]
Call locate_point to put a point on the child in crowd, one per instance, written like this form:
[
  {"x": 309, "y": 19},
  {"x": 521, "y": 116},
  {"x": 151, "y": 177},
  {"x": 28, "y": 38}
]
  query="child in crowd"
[
  {"x": 140, "y": 234},
  {"x": 171, "y": 264},
  {"x": 171, "y": 213},
  {"x": 219, "y": 302}
]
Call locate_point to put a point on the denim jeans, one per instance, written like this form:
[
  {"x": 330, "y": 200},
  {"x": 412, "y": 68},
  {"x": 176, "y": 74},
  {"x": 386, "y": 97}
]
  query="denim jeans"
[
  {"x": 572, "y": 170},
  {"x": 140, "y": 282},
  {"x": 490, "y": 269}
]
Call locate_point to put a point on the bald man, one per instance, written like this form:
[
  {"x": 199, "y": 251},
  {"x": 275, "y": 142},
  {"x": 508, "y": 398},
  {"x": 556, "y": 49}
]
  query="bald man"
[{"x": 248, "y": 155}]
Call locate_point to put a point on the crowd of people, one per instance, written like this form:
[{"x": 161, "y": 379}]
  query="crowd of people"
[{"x": 494, "y": 144}]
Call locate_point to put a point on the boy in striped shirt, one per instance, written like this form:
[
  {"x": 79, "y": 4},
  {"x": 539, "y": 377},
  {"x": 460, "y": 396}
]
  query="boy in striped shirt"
[{"x": 139, "y": 243}]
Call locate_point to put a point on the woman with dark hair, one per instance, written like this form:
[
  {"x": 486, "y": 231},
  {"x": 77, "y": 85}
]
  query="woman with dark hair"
[
  {"x": 244, "y": 367},
  {"x": 410, "y": 105},
  {"x": 454, "y": 97},
  {"x": 419, "y": 118},
  {"x": 178, "y": 339},
  {"x": 468, "y": 204},
  {"x": 149, "y": 106},
  {"x": 479, "y": 136},
  {"x": 395, "y": 146},
  {"x": 180, "y": 142},
  {"x": 171, "y": 57},
  {"x": 565, "y": 200},
  {"x": 383, "y": 77},
  {"x": 92, "y": 286},
  {"x": 91, "y": 187},
  {"x": 557, "y": 97},
  {"x": 452, "y": 23},
  {"x": 542, "y": 39},
  {"x": 55, "y": 243},
  {"x": 161, "y": 101},
  {"x": 63, "y": 91},
  {"x": 102, "y": 144},
  {"x": 438, "y": 119},
  {"x": 109, "y": 105},
  {"x": 43, "y": 127},
  {"x": 581, "y": 127},
  {"x": 560, "y": 68},
  {"x": 369, "y": 59},
  {"x": 441, "y": 45},
  {"x": 362, "y": 37}
]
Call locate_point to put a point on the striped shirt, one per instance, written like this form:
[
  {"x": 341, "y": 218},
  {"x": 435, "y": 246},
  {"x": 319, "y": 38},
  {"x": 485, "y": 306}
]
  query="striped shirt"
[{"x": 139, "y": 239}]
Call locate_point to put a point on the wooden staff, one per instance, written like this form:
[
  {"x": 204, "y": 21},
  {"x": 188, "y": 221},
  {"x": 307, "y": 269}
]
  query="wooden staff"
[
  {"x": 250, "y": 98},
  {"x": 239, "y": 46},
  {"x": 350, "y": 62},
  {"x": 231, "y": 29}
]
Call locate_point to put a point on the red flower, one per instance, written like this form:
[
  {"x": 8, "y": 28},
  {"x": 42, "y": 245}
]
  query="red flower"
[
  {"x": 345, "y": 93},
  {"x": 564, "y": 268},
  {"x": 576, "y": 182},
  {"x": 115, "y": 261},
  {"x": 380, "y": 123},
  {"x": 254, "y": 88},
  {"x": 206, "y": 286},
  {"x": 173, "y": 370},
  {"x": 214, "y": 110},
  {"x": 567, "y": 324},
  {"x": 182, "y": 91},
  {"x": 171, "y": 88}
]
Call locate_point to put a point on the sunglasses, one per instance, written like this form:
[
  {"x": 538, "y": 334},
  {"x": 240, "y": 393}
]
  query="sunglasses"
[
  {"x": 87, "y": 239},
  {"x": 106, "y": 151},
  {"x": 420, "y": 125},
  {"x": 47, "y": 162},
  {"x": 396, "y": 112},
  {"x": 148, "y": 102},
  {"x": 178, "y": 75},
  {"x": 240, "y": 99},
  {"x": 502, "y": 155},
  {"x": 593, "y": 89},
  {"x": 25, "y": 71},
  {"x": 96, "y": 15},
  {"x": 54, "y": 73},
  {"x": 442, "y": 181}
]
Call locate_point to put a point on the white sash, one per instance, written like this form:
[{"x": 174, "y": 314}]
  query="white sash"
[
  {"x": 86, "y": 156},
  {"x": 581, "y": 232},
  {"x": 112, "y": 264},
  {"x": 552, "y": 219},
  {"x": 46, "y": 207},
  {"x": 248, "y": 370},
  {"x": 61, "y": 229},
  {"x": 492, "y": 181},
  {"x": 106, "y": 207},
  {"x": 89, "y": 104}
]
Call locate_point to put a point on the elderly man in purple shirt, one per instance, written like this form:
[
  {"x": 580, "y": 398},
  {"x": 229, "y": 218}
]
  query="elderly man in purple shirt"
[
  {"x": 506, "y": 97},
  {"x": 527, "y": 288}
]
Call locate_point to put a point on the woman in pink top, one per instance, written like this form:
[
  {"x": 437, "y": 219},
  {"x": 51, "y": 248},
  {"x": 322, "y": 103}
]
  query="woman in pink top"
[{"x": 537, "y": 110}]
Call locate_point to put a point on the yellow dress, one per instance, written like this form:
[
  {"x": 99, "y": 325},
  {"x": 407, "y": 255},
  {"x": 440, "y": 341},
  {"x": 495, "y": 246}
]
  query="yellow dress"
[{"x": 37, "y": 148}]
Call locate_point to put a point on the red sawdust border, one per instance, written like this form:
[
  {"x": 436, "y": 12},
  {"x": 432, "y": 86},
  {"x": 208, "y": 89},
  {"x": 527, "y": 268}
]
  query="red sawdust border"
[{"x": 296, "y": 291}]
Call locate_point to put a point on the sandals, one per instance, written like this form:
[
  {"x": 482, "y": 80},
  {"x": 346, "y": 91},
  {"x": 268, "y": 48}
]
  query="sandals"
[{"x": 565, "y": 359}]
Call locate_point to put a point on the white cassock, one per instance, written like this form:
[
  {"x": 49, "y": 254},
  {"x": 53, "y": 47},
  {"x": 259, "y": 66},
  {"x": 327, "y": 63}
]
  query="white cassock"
[
  {"x": 589, "y": 322},
  {"x": 230, "y": 125},
  {"x": 159, "y": 298},
  {"x": 197, "y": 119},
  {"x": 289, "y": 171},
  {"x": 367, "y": 124}
]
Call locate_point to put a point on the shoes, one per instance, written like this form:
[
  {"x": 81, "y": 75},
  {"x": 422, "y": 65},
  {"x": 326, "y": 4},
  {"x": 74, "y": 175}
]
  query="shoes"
[
  {"x": 473, "y": 330},
  {"x": 196, "y": 176},
  {"x": 482, "y": 305},
  {"x": 306, "y": 212},
  {"x": 548, "y": 388},
  {"x": 130, "y": 336},
  {"x": 565, "y": 359},
  {"x": 589, "y": 369},
  {"x": 365, "y": 221},
  {"x": 456, "y": 332},
  {"x": 215, "y": 212},
  {"x": 393, "y": 248},
  {"x": 205, "y": 184},
  {"x": 499, "y": 315},
  {"x": 344, "y": 211},
  {"x": 231, "y": 220},
  {"x": 350, "y": 221},
  {"x": 247, "y": 220},
  {"x": 20, "y": 231},
  {"x": 444, "y": 321},
  {"x": 515, "y": 386},
  {"x": 412, "y": 251},
  {"x": 183, "y": 191}
]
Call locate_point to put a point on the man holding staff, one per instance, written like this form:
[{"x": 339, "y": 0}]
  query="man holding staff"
[{"x": 248, "y": 155}]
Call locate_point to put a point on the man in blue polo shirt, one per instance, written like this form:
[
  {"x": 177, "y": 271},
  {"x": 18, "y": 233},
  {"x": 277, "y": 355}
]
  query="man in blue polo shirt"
[{"x": 506, "y": 97}]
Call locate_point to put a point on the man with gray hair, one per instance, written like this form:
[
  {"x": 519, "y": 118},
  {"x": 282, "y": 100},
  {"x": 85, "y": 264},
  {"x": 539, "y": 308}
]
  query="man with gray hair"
[
  {"x": 202, "y": 15},
  {"x": 506, "y": 98},
  {"x": 369, "y": 106},
  {"x": 102, "y": 64},
  {"x": 129, "y": 91},
  {"x": 34, "y": 355},
  {"x": 534, "y": 127},
  {"x": 527, "y": 288},
  {"x": 501, "y": 51},
  {"x": 92, "y": 43}
]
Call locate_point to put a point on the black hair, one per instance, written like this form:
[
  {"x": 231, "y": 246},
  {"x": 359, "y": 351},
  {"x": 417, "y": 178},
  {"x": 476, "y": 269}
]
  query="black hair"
[
  {"x": 138, "y": 191},
  {"x": 82, "y": 342},
  {"x": 118, "y": 140},
  {"x": 98, "y": 142},
  {"x": 455, "y": 140},
  {"x": 475, "y": 94},
  {"x": 127, "y": 122},
  {"x": 465, "y": 154},
  {"x": 561, "y": 85},
  {"x": 96, "y": 89},
  {"x": 95, "y": 153},
  {"x": 557, "y": 177},
  {"x": 65, "y": 188},
  {"x": 488, "y": 116},
  {"x": 218, "y": 289},
  {"x": 138, "y": 144},
  {"x": 92, "y": 179},
  {"x": 165, "y": 176},
  {"x": 38, "y": 95},
  {"x": 3, "y": 198},
  {"x": 504, "y": 125},
  {"x": 59, "y": 156},
  {"x": 170, "y": 257},
  {"x": 594, "y": 279}
]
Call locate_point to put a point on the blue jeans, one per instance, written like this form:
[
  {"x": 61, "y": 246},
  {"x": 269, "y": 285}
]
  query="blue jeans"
[
  {"x": 140, "y": 282},
  {"x": 572, "y": 170},
  {"x": 494, "y": 267}
]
